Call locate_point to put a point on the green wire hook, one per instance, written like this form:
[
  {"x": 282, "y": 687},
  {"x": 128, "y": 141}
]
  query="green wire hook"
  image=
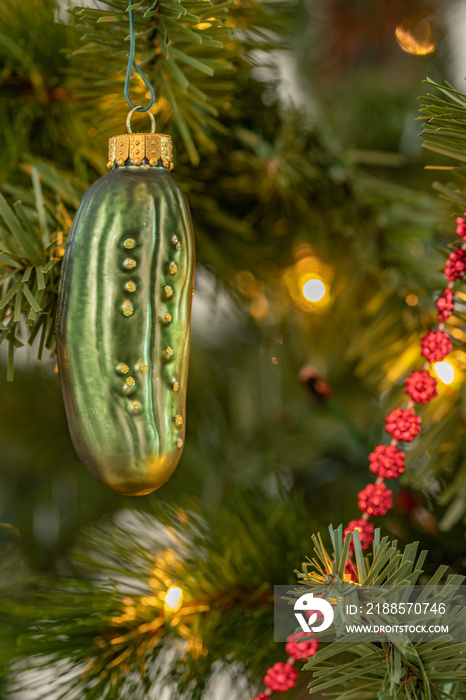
[{"x": 132, "y": 64}]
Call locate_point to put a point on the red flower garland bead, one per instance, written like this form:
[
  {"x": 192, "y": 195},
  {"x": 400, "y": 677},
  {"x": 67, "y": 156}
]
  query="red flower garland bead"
[
  {"x": 301, "y": 650},
  {"x": 262, "y": 696},
  {"x": 365, "y": 530},
  {"x": 421, "y": 386},
  {"x": 455, "y": 266},
  {"x": 281, "y": 677},
  {"x": 445, "y": 304},
  {"x": 387, "y": 461},
  {"x": 435, "y": 346},
  {"x": 375, "y": 499},
  {"x": 403, "y": 424},
  {"x": 461, "y": 227}
]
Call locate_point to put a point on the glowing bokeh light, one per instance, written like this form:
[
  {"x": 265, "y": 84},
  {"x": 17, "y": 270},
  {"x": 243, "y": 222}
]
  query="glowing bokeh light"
[
  {"x": 445, "y": 372},
  {"x": 415, "y": 36},
  {"x": 412, "y": 299},
  {"x": 314, "y": 290},
  {"x": 173, "y": 599}
]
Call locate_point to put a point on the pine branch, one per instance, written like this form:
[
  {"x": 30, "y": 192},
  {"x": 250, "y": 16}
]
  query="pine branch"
[
  {"x": 112, "y": 627},
  {"x": 445, "y": 115},
  {"x": 32, "y": 239},
  {"x": 115, "y": 628},
  {"x": 391, "y": 669},
  {"x": 184, "y": 47}
]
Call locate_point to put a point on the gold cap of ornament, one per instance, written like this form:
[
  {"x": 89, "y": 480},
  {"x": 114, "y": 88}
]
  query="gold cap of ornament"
[{"x": 153, "y": 147}]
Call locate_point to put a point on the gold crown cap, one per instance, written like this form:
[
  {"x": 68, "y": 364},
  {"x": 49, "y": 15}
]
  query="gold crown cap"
[{"x": 137, "y": 147}]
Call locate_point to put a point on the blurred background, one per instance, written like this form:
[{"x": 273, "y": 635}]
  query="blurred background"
[{"x": 320, "y": 246}]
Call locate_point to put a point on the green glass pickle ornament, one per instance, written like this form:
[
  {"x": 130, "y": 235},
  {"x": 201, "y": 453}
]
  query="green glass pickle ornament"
[{"x": 124, "y": 318}]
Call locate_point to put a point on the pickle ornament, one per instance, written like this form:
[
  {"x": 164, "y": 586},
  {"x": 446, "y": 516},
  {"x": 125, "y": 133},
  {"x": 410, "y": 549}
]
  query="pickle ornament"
[{"x": 124, "y": 317}]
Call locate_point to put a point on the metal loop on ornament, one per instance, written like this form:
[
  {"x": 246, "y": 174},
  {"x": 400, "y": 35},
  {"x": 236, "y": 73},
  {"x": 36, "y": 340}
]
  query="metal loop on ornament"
[{"x": 139, "y": 109}]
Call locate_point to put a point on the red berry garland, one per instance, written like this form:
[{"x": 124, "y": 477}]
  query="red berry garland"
[
  {"x": 403, "y": 424},
  {"x": 421, "y": 386},
  {"x": 365, "y": 530},
  {"x": 386, "y": 461},
  {"x": 375, "y": 499},
  {"x": 281, "y": 677},
  {"x": 461, "y": 227},
  {"x": 435, "y": 346},
  {"x": 455, "y": 266},
  {"x": 445, "y": 305},
  {"x": 301, "y": 650}
]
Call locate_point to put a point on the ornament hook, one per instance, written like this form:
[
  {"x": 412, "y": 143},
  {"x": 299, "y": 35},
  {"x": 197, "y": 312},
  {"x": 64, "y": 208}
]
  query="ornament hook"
[
  {"x": 139, "y": 109},
  {"x": 132, "y": 64}
]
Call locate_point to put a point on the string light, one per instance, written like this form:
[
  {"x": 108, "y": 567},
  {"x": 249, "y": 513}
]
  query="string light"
[
  {"x": 314, "y": 290},
  {"x": 173, "y": 599},
  {"x": 445, "y": 372}
]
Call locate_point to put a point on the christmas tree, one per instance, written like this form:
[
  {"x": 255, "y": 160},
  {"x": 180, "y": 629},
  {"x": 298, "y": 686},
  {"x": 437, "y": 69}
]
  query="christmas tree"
[{"x": 320, "y": 248}]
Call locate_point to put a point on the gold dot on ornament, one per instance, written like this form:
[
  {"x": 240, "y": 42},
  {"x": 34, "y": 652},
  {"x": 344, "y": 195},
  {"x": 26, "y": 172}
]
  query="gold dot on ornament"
[
  {"x": 175, "y": 385},
  {"x": 130, "y": 286},
  {"x": 172, "y": 268},
  {"x": 129, "y": 243},
  {"x": 143, "y": 368},
  {"x": 167, "y": 318},
  {"x": 179, "y": 443},
  {"x": 129, "y": 264},
  {"x": 130, "y": 381},
  {"x": 168, "y": 291},
  {"x": 178, "y": 420},
  {"x": 168, "y": 353},
  {"x": 176, "y": 242},
  {"x": 122, "y": 368},
  {"x": 135, "y": 406},
  {"x": 128, "y": 309}
]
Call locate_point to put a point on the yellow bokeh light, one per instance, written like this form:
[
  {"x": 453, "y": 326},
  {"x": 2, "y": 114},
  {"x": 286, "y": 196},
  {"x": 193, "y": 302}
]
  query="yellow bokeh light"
[
  {"x": 412, "y": 299},
  {"x": 173, "y": 599},
  {"x": 309, "y": 280},
  {"x": 259, "y": 307},
  {"x": 314, "y": 289},
  {"x": 445, "y": 372},
  {"x": 414, "y": 35}
]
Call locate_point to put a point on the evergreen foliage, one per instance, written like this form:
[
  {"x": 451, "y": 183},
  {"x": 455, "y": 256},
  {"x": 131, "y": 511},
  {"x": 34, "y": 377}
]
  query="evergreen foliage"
[
  {"x": 107, "y": 624},
  {"x": 276, "y": 197}
]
